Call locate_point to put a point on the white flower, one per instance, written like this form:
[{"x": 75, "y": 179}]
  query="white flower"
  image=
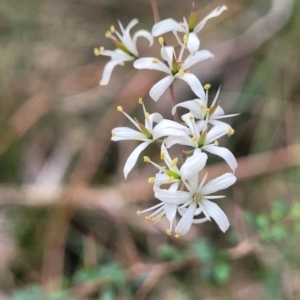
[
  {"x": 192, "y": 166},
  {"x": 189, "y": 28},
  {"x": 196, "y": 200},
  {"x": 126, "y": 48},
  {"x": 175, "y": 68},
  {"x": 206, "y": 141},
  {"x": 147, "y": 133},
  {"x": 200, "y": 110},
  {"x": 163, "y": 209}
]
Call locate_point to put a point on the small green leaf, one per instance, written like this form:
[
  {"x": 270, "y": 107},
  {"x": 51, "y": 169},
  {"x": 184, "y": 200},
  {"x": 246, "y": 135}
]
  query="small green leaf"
[
  {"x": 168, "y": 252},
  {"x": 222, "y": 272},
  {"x": 203, "y": 250},
  {"x": 262, "y": 221}
]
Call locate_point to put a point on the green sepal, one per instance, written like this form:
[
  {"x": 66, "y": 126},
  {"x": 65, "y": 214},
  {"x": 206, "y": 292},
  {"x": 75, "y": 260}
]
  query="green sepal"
[
  {"x": 173, "y": 174},
  {"x": 144, "y": 130}
]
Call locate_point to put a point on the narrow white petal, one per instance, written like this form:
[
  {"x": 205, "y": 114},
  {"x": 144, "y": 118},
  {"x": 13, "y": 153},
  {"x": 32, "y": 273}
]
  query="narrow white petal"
[
  {"x": 192, "y": 184},
  {"x": 117, "y": 54},
  {"x": 172, "y": 197},
  {"x": 193, "y": 106},
  {"x": 193, "y": 43},
  {"x": 124, "y": 133},
  {"x": 223, "y": 116},
  {"x": 199, "y": 221},
  {"x": 185, "y": 222},
  {"x": 197, "y": 57},
  {"x": 215, "y": 133},
  {"x": 190, "y": 122},
  {"x": 216, "y": 12},
  {"x": 127, "y": 40},
  {"x": 215, "y": 212},
  {"x": 167, "y": 53},
  {"x": 131, "y": 161},
  {"x": 160, "y": 87},
  {"x": 193, "y": 164},
  {"x": 194, "y": 84},
  {"x": 154, "y": 118},
  {"x": 170, "y": 210},
  {"x": 220, "y": 183},
  {"x": 165, "y": 26},
  {"x": 108, "y": 70},
  {"x": 145, "y": 34},
  {"x": 169, "y": 128},
  {"x": 182, "y": 140},
  {"x": 147, "y": 63},
  {"x": 224, "y": 153}
]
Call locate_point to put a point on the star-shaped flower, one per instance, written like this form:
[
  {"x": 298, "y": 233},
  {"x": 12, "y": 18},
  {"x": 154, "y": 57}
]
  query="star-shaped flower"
[
  {"x": 126, "y": 47},
  {"x": 196, "y": 200},
  {"x": 205, "y": 140},
  {"x": 147, "y": 133},
  {"x": 199, "y": 108},
  {"x": 176, "y": 68},
  {"x": 189, "y": 28}
]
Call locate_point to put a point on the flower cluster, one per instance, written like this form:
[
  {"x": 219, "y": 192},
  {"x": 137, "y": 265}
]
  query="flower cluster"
[{"x": 185, "y": 198}]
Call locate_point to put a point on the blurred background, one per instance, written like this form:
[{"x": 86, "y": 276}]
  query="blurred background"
[{"x": 69, "y": 228}]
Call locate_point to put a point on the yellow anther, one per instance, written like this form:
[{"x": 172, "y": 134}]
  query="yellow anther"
[
  {"x": 139, "y": 137},
  {"x": 113, "y": 134},
  {"x": 147, "y": 219},
  {"x": 191, "y": 117},
  {"x": 153, "y": 220},
  {"x": 108, "y": 33},
  {"x": 140, "y": 101},
  {"x": 155, "y": 60},
  {"x": 138, "y": 213},
  {"x": 147, "y": 115},
  {"x": 161, "y": 40},
  {"x": 181, "y": 72},
  {"x": 168, "y": 232},
  {"x": 216, "y": 143},
  {"x": 174, "y": 162},
  {"x": 151, "y": 179},
  {"x": 207, "y": 110},
  {"x": 171, "y": 178},
  {"x": 96, "y": 51},
  {"x": 230, "y": 131},
  {"x": 185, "y": 38},
  {"x": 101, "y": 49},
  {"x": 119, "y": 108},
  {"x": 202, "y": 106},
  {"x": 162, "y": 155},
  {"x": 112, "y": 29},
  {"x": 147, "y": 159},
  {"x": 194, "y": 138},
  {"x": 177, "y": 236},
  {"x": 207, "y": 86}
]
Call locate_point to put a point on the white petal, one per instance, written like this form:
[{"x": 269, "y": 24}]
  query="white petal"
[
  {"x": 168, "y": 127},
  {"x": 154, "y": 118},
  {"x": 108, "y": 70},
  {"x": 172, "y": 197},
  {"x": 190, "y": 122},
  {"x": 197, "y": 57},
  {"x": 220, "y": 183},
  {"x": 224, "y": 153},
  {"x": 199, "y": 221},
  {"x": 194, "y": 84},
  {"x": 127, "y": 40},
  {"x": 165, "y": 26},
  {"x": 215, "y": 212},
  {"x": 170, "y": 210},
  {"x": 167, "y": 53},
  {"x": 160, "y": 87},
  {"x": 143, "y": 33},
  {"x": 192, "y": 184},
  {"x": 185, "y": 222},
  {"x": 216, "y": 12},
  {"x": 193, "y": 43},
  {"x": 215, "y": 133},
  {"x": 182, "y": 140},
  {"x": 124, "y": 133},
  {"x": 131, "y": 161},
  {"x": 147, "y": 63},
  {"x": 193, "y": 164},
  {"x": 192, "y": 106}
]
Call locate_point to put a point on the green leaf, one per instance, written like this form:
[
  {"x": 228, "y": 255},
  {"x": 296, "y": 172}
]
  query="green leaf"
[
  {"x": 169, "y": 252},
  {"x": 203, "y": 250},
  {"x": 262, "y": 221}
]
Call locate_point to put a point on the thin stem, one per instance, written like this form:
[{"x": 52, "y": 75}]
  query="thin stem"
[
  {"x": 155, "y": 11},
  {"x": 176, "y": 119}
]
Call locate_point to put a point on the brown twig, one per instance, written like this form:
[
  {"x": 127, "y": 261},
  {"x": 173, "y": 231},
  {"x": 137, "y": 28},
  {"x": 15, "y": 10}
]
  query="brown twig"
[{"x": 155, "y": 11}]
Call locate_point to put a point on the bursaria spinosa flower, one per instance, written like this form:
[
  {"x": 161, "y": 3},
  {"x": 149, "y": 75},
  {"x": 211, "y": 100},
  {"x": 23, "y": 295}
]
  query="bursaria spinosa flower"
[
  {"x": 199, "y": 108},
  {"x": 176, "y": 68},
  {"x": 205, "y": 140},
  {"x": 196, "y": 200},
  {"x": 171, "y": 173},
  {"x": 189, "y": 28},
  {"x": 147, "y": 133},
  {"x": 126, "y": 48}
]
